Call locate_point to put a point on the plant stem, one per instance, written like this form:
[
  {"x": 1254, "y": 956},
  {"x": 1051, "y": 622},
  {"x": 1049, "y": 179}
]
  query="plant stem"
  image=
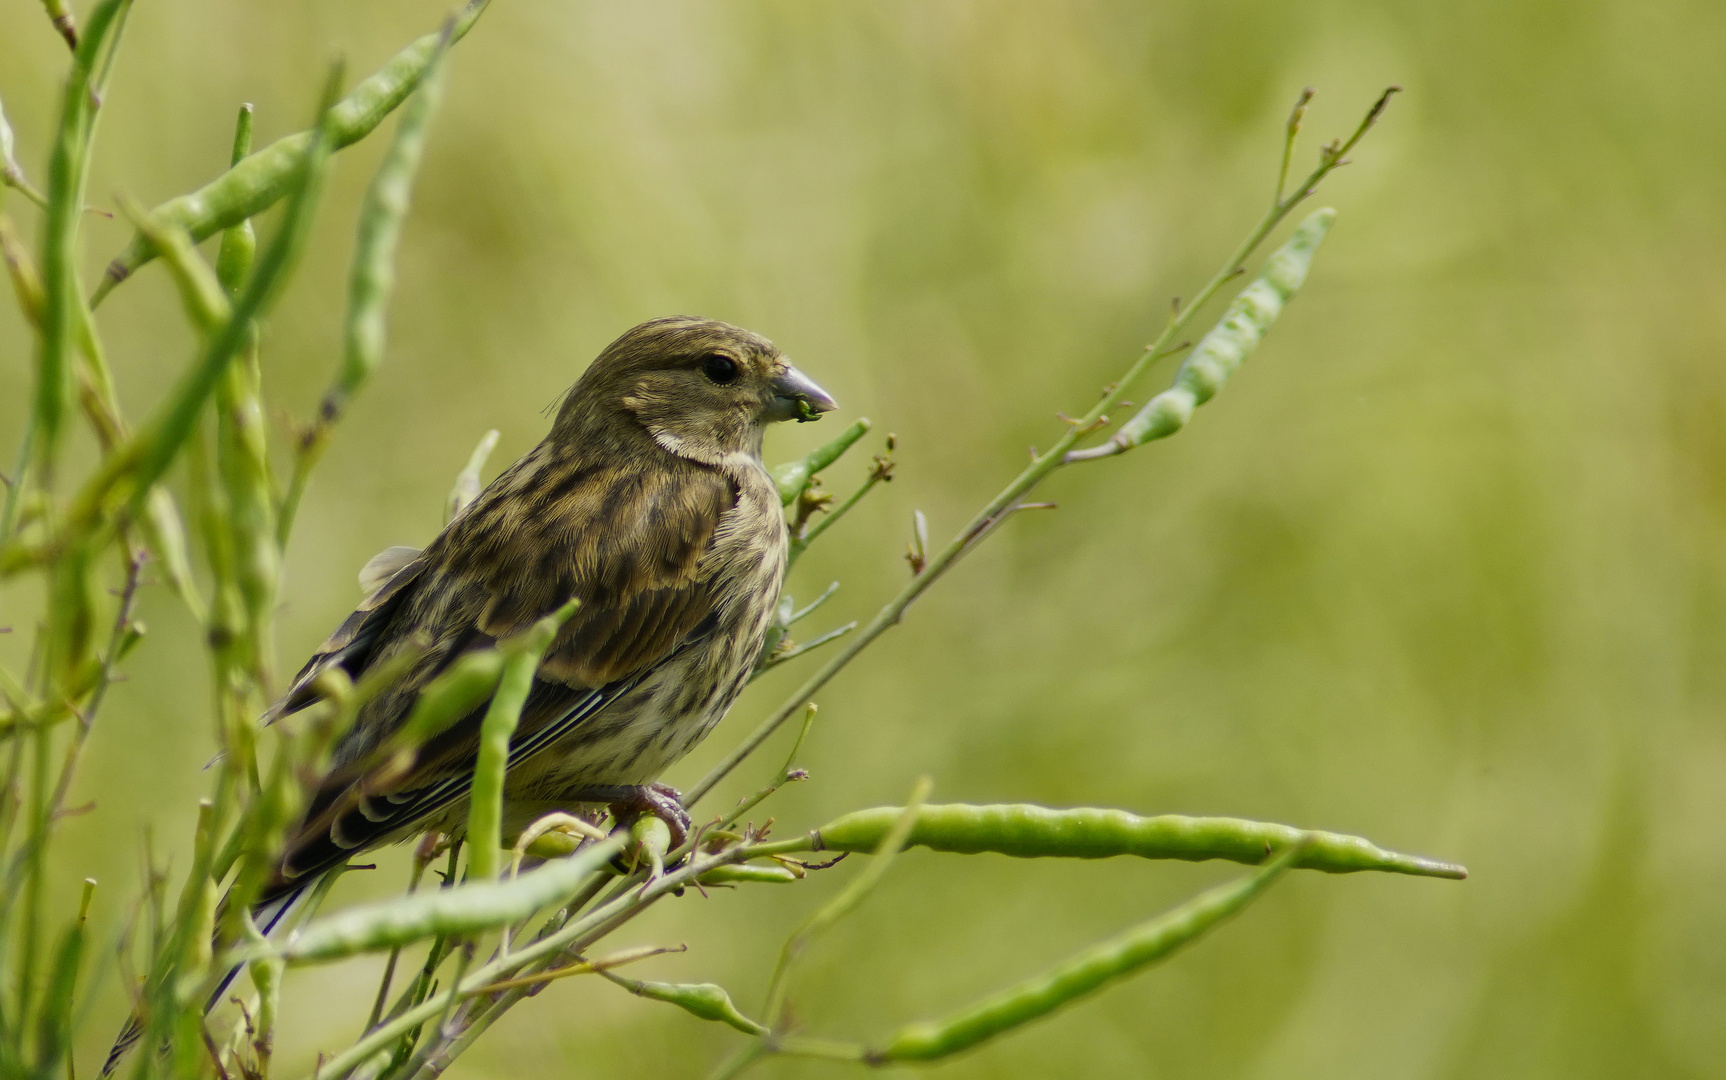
[{"x": 998, "y": 508}]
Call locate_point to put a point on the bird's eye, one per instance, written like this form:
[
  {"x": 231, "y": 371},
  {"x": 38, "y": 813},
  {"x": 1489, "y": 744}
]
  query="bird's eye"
[{"x": 721, "y": 369}]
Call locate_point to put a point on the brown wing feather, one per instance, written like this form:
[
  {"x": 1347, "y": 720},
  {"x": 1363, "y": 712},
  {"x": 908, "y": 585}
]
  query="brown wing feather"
[
  {"x": 627, "y": 542},
  {"x": 353, "y": 644}
]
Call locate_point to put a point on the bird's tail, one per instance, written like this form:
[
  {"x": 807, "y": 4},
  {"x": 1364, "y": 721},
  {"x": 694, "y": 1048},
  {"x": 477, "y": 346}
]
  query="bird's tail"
[{"x": 268, "y": 916}]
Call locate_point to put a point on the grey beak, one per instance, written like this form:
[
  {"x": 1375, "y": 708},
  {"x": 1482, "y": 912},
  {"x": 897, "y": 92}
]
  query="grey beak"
[{"x": 796, "y": 397}]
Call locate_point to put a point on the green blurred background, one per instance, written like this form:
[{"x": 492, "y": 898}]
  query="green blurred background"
[{"x": 1443, "y": 566}]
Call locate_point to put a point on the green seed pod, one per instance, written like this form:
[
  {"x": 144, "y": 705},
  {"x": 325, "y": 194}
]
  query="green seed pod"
[
  {"x": 1034, "y": 832},
  {"x": 142, "y": 461},
  {"x": 242, "y": 452},
  {"x": 1079, "y": 976},
  {"x": 68, "y": 171},
  {"x": 706, "y": 1000},
  {"x": 450, "y": 696},
  {"x": 261, "y": 180},
  {"x": 1227, "y": 346},
  {"x": 793, "y": 476},
  {"x": 649, "y": 840},
  {"x": 485, "y": 801},
  {"x": 747, "y": 874},
  {"x": 55, "y": 1021},
  {"x": 239, "y": 242},
  {"x": 464, "y": 909},
  {"x": 266, "y": 973},
  {"x": 165, "y": 533},
  {"x": 373, "y": 276}
]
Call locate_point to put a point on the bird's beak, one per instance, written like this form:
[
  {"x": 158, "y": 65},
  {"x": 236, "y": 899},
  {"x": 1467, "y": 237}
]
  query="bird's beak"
[{"x": 796, "y": 397}]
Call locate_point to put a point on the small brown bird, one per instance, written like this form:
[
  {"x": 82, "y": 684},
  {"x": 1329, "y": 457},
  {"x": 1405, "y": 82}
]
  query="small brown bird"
[{"x": 649, "y": 503}]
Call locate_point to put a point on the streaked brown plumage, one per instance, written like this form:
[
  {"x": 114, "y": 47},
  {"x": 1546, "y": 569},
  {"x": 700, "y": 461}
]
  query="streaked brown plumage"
[{"x": 649, "y": 503}]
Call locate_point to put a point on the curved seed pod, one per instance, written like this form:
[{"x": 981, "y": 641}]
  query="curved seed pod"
[
  {"x": 793, "y": 476},
  {"x": 709, "y": 1001},
  {"x": 1227, "y": 346},
  {"x": 1083, "y": 974},
  {"x": 1034, "y": 832},
  {"x": 464, "y": 909},
  {"x": 258, "y": 182}
]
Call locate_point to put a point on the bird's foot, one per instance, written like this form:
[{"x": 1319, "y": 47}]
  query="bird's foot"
[{"x": 661, "y": 800}]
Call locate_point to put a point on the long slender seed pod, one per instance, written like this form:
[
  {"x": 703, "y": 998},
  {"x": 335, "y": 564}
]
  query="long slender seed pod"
[
  {"x": 373, "y": 276},
  {"x": 1038, "y": 832},
  {"x": 485, "y": 801},
  {"x": 242, "y": 452},
  {"x": 239, "y": 241},
  {"x": 463, "y": 909},
  {"x": 793, "y": 476},
  {"x": 146, "y": 457},
  {"x": 55, "y": 1020},
  {"x": 264, "y": 178},
  {"x": 67, "y": 637},
  {"x": 1227, "y": 346},
  {"x": 67, "y": 171},
  {"x": 749, "y": 874},
  {"x": 1081, "y": 975}
]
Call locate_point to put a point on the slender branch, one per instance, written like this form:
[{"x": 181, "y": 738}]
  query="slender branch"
[{"x": 1038, "y": 470}]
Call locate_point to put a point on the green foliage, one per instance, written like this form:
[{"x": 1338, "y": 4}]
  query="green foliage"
[{"x": 491, "y": 940}]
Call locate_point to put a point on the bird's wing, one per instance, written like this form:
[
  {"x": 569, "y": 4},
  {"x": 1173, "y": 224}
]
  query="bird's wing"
[
  {"x": 354, "y": 644},
  {"x": 628, "y": 543}
]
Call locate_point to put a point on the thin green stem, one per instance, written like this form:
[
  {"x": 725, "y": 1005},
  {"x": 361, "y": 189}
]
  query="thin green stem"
[
  {"x": 998, "y": 508},
  {"x": 636, "y": 895},
  {"x": 843, "y": 904},
  {"x": 883, "y": 470}
]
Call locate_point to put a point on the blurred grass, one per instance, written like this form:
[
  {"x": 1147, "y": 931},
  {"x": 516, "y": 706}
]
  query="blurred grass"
[{"x": 1444, "y": 568}]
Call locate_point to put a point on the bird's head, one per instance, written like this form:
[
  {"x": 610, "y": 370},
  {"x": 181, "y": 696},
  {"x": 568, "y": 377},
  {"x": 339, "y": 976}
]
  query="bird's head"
[{"x": 703, "y": 389}]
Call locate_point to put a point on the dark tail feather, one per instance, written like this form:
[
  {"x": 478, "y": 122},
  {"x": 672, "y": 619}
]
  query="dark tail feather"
[{"x": 267, "y": 916}]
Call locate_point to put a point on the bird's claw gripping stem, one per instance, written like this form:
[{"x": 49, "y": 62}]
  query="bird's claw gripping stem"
[{"x": 661, "y": 800}]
